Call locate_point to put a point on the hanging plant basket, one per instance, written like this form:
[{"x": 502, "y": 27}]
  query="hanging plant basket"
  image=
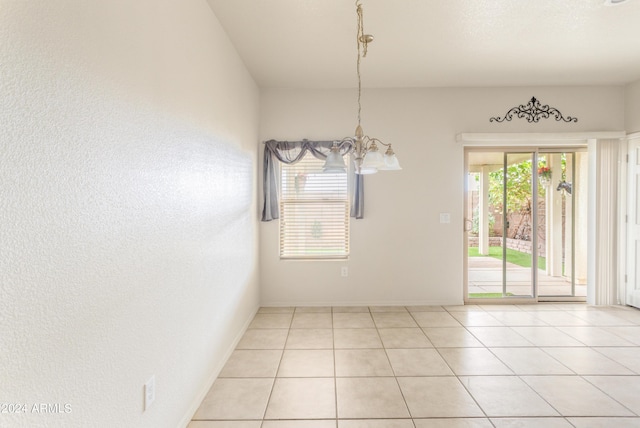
[{"x": 544, "y": 174}]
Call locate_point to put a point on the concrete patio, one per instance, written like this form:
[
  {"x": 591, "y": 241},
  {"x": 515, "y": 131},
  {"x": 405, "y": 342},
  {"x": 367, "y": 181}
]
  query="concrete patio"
[{"x": 485, "y": 276}]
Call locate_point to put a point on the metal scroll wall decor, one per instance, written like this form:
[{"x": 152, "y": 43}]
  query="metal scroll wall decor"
[{"x": 533, "y": 112}]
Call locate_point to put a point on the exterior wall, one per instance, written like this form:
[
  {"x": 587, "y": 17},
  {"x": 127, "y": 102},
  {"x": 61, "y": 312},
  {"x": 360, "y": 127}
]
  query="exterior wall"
[
  {"x": 514, "y": 244},
  {"x": 129, "y": 235},
  {"x": 400, "y": 253},
  {"x": 494, "y": 241}
]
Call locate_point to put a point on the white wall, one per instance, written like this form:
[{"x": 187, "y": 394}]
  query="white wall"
[
  {"x": 400, "y": 253},
  {"x": 632, "y": 107},
  {"x": 128, "y": 232}
]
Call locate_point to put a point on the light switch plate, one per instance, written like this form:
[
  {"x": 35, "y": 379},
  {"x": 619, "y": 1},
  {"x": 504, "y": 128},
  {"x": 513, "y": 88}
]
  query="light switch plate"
[{"x": 149, "y": 392}]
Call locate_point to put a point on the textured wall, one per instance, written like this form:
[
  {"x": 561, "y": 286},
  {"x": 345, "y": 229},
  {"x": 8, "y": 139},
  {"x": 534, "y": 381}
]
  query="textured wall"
[
  {"x": 128, "y": 238},
  {"x": 400, "y": 253},
  {"x": 632, "y": 107}
]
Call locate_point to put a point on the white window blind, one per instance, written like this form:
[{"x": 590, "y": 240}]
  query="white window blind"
[{"x": 314, "y": 212}]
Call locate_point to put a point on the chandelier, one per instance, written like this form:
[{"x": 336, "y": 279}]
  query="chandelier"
[{"x": 367, "y": 156}]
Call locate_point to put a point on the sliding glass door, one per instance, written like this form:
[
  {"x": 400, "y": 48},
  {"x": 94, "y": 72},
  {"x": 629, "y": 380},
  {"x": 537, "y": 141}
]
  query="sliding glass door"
[
  {"x": 519, "y": 219},
  {"x": 525, "y": 229},
  {"x": 562, "y": 229}
]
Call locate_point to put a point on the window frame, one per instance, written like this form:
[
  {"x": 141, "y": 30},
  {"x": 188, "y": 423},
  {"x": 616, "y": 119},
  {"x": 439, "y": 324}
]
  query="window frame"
[{"x": 286, "y": 249}]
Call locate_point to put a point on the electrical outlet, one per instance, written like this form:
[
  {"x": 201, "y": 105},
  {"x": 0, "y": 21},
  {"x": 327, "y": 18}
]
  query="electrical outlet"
[
  {"x": 344, "y": 272},
  {"x": 149, "y": 392}
]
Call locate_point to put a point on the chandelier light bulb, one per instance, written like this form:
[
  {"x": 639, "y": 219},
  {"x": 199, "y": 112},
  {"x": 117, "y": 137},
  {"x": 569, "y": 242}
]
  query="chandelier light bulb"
[{"x": 335, "y": 162}]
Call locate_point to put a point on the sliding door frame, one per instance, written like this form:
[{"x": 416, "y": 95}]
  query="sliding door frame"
[{"x": 540, "y": 142}]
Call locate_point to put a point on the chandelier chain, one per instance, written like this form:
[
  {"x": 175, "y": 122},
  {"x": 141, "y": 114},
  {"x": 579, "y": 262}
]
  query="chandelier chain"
[{"x": 361, "y": 44}]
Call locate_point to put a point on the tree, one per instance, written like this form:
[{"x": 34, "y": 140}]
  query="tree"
[
  {"x": 518, "y": 188},
  {"x": 519, "y": 194}
]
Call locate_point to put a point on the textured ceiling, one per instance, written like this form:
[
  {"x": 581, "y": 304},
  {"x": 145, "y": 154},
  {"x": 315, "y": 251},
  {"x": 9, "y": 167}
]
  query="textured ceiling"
[{"x": 436, "y": 43}]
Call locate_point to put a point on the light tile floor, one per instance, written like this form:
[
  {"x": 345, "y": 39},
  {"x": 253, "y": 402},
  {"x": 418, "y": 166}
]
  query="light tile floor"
[{"x": 546, "y": 365}]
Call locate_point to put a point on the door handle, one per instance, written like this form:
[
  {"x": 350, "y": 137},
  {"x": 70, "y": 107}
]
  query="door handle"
[{"x": 468, "y": 225}]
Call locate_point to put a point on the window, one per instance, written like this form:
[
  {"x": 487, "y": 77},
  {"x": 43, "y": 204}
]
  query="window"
[{"x": 314, "y": 212}]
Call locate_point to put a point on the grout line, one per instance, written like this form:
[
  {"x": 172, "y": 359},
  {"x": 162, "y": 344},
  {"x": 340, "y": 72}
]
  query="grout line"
[
  {"x": 275, "y": 377},
  {"x": 335, "y": 377},
  {"x": 438, "y": 349},
  {"x": 606, "y": 393}
]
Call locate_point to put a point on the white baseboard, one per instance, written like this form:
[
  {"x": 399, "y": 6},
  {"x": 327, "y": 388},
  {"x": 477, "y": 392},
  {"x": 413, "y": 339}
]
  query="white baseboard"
[
  {"x": 214, "y": 374},
  {"x": 369, "y": 303}
]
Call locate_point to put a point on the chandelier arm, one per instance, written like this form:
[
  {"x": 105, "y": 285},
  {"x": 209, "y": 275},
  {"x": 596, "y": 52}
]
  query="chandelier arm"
[{"x": 368, "y": 140}]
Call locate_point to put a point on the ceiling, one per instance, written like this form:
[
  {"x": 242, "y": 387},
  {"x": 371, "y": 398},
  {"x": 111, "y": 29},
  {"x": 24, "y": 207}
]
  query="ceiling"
[{"x": 436, "y": 43}]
